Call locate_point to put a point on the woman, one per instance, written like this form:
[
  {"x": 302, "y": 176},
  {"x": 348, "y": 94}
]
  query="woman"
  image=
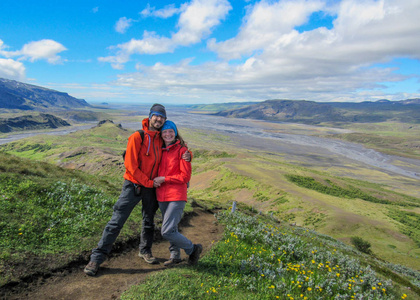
[{"x": 173, "y": 176}]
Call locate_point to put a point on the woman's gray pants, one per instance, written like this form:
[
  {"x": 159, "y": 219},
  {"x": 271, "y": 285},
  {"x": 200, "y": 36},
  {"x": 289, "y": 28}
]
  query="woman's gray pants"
[{"x": 171, "y": 215}]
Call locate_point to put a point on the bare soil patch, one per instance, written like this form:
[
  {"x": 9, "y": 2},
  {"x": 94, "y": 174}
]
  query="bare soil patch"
[{"x": 121, "y": 271}]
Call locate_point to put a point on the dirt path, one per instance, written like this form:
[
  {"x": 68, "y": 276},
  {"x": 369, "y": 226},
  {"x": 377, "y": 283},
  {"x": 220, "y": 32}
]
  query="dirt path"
[{"x": 119, "y": 273}]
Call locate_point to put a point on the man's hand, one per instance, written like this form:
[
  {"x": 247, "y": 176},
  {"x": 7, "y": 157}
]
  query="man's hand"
[
  {"x": 186, "y": 156},
  {"x": 158, "y": 181}
]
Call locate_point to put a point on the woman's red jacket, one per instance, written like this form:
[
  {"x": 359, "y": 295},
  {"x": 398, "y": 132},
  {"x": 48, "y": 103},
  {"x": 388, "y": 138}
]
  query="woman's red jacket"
[{"x": 177, "y": 173}]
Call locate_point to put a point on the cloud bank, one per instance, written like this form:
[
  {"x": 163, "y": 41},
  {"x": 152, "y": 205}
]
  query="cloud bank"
[{"x": 270, "y": 58}]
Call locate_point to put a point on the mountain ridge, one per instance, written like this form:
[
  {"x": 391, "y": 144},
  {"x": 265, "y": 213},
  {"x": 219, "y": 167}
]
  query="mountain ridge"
[
  {"x": 18, "y": 95},
  {"x": 311, "y": 112}
]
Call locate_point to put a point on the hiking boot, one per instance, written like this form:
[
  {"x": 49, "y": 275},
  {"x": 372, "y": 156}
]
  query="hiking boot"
[
  {"x": 91, "y": 268},
  {"x": 195, "y": 255},
  {"x": 172, "y": 262},
  {"x": 148, "y": 257}
]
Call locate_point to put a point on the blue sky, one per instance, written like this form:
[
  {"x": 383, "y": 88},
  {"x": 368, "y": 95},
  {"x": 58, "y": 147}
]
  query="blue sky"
[{"x": 207, "y": 51}]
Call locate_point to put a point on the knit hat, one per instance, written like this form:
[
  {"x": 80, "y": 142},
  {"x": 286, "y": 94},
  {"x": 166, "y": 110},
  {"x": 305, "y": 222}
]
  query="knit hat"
[
  {"x": 169, "y": 125},
  {"x": 157, "y": 109}
]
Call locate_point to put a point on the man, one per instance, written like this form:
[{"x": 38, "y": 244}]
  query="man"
[{"x": 142, "y": 158}]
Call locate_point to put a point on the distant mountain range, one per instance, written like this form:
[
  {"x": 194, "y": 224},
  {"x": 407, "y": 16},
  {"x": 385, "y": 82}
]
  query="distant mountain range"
[
  {"x": 18, "y": 95},
  {"x": 310, "y": 112}
]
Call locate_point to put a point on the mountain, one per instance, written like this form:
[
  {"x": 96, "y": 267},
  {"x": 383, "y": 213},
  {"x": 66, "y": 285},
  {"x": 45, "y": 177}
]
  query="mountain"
[
  {"x": 18, "y": 95},
  {"x": 31, "y": 122},
  {"x": 310, "y": 112},
  {"x": 292, "y": 110}
]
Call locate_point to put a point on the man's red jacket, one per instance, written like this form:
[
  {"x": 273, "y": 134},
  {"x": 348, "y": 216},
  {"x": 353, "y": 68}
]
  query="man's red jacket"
[{"x": 142, "y": 163}]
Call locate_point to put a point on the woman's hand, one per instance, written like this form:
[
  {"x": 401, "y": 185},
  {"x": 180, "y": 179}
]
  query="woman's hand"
[{"x": 158, "y": 181}]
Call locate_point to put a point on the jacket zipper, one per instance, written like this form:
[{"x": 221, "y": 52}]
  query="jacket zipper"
[{"x": 156, "y": 155}]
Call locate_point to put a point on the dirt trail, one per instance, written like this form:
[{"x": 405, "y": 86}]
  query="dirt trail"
[{"x": 120, "y": 272}]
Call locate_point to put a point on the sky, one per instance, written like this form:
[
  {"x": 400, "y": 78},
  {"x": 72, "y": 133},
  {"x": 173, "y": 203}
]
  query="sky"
[{"x": 212, "y": 51}]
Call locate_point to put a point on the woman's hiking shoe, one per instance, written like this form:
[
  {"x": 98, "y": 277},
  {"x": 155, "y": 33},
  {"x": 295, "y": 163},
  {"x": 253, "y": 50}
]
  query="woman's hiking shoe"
[
  {"x": 148, "y": 257},
  {"x": 172, "y": 262},
  {"x": 91, "y": 268},
  {"x": 195, "y": 255}
]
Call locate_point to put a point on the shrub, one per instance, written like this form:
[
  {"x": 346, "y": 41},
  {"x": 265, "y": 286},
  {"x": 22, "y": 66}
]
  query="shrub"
[{"x": 361, "y": 244}]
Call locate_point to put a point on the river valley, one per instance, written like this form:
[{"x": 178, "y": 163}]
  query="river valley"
[{"x": 306, "y": 148}]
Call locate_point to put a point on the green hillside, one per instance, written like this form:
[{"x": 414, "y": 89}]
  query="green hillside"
[
  {"x": 48, "y": 208},
  {"x": 260, "y": 258},
  {"x": 50, "y": 216}
]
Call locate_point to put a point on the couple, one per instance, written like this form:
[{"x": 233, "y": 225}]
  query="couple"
[{"x": 157, "y": 170}]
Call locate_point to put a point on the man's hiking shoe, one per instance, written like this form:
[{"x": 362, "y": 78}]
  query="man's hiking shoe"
[
  {"x": 91, "y": 268},
  {"x": 172, "y": 262},
  {"x": 148, "y": 257},
  {"x": 195, "y": 255}
]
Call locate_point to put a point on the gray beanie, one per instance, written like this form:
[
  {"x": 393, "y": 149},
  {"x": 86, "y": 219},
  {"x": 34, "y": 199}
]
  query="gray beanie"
[{"x": 157, "y": 109}]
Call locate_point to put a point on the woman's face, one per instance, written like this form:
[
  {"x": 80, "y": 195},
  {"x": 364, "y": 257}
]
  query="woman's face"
[{"x": 168, "y": 136}]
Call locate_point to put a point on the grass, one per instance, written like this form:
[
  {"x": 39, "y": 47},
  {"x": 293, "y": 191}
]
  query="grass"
[
  {"x": 409, "y": 223},
  {"x": 261, "y": 259},
  {"x": 223, "y": 189},
  {"x": 350, "y": 191},
  {"x": 97, "y": 150},
  {"x": 46, "y": 210}
]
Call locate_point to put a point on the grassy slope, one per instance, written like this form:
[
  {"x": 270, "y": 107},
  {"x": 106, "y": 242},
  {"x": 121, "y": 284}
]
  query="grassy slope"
[
  {"x": 258, "y": 258},
  {"x": 265, "y": 188},
  {"x": 97, "y": 151},
  {"x": 52, "y": 215},
  {"x": 255, "y": 180}
]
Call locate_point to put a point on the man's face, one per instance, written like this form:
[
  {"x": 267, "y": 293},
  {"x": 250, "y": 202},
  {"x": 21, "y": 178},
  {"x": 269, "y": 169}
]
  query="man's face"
[{"x": 156, "y": 122}]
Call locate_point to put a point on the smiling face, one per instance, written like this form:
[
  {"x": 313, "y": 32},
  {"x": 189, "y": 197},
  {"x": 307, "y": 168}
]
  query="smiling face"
[
  {"x": 156, "y": 122},
  {"x": 168, "y": 136}
]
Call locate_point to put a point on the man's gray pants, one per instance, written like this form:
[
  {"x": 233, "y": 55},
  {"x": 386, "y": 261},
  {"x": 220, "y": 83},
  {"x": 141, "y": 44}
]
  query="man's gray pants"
[
  {"x": 171, "y": 215},
  {"x": 122, "y": 210}
]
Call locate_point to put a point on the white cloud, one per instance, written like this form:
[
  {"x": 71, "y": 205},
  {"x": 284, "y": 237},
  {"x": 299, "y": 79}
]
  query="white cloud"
[
  {"x": 123, "y": 24},
  {"x": 196, "y": 22},
  {"x": 38, "y": 50},
  {"x": 33, "y": 51},
  {"x": 265, "y": 24},
  {"x": 198, "y": 19},
  {"x": 11, "y": 69},
  {"x": 43, "y": 49},
  {"x": 95, "y": 9},
  {"x": 166, "y": 12},
  {"x": 3, "y": 49}
]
